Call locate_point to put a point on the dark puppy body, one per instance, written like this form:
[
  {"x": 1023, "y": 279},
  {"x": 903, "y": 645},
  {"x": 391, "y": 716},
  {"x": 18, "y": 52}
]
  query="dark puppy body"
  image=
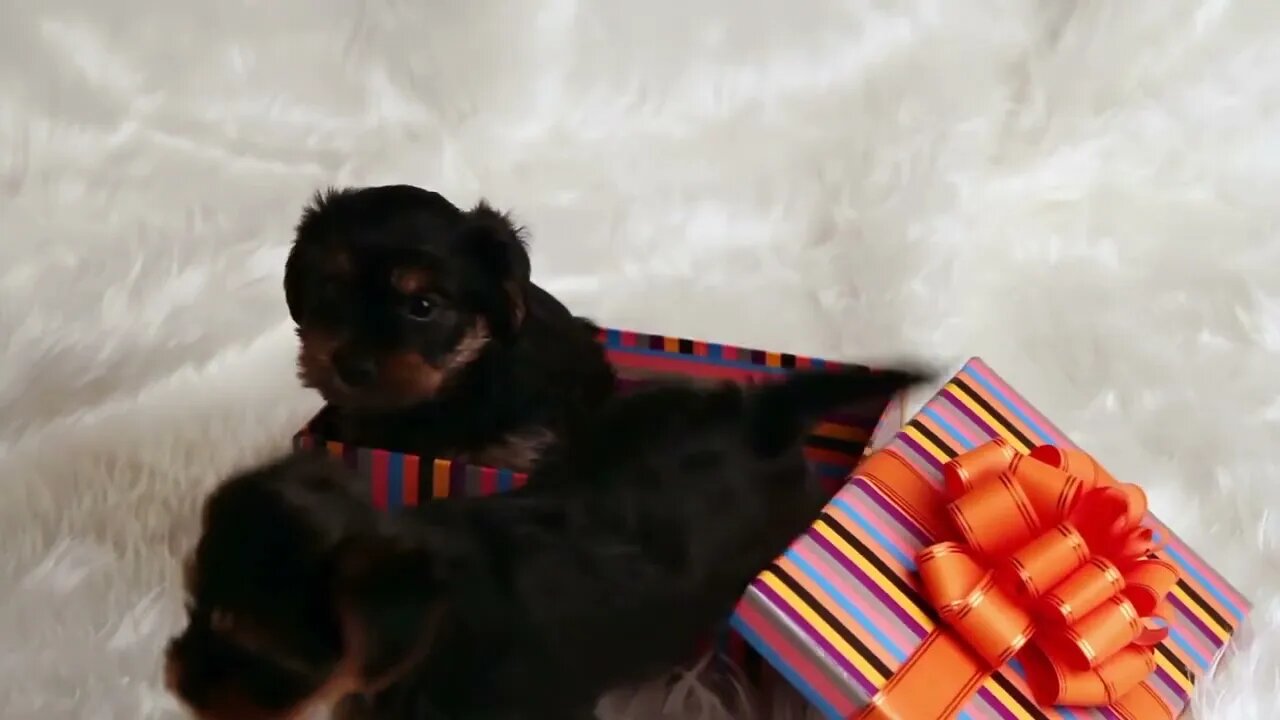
[
  {"x": 419, "y": 325},
  {"x": 633, "y": 538}
]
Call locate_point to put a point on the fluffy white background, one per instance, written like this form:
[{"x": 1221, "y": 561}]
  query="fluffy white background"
[{"x": 1084, "y": 193}]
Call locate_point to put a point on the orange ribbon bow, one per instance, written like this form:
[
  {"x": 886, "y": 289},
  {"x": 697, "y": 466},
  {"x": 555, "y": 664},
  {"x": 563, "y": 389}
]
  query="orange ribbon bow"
[{"x": 1051, "y": 563}]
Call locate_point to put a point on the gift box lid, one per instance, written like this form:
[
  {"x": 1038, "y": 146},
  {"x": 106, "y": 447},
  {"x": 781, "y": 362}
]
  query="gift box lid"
[{"x": 841, "y": 611}]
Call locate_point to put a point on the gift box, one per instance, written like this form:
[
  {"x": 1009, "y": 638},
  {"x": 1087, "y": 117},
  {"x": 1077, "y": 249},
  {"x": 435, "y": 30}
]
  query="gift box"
[
  {"x": 980, "y": 566},
  {"x": 836, "y": 445}
]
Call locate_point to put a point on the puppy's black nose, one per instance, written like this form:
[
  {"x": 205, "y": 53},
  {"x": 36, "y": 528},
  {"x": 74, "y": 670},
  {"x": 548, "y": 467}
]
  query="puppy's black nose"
[{"x": 353, "y": 369}]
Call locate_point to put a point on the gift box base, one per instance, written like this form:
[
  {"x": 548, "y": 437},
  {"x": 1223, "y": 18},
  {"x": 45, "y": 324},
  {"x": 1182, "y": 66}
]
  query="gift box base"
[{"x": 838, "y": 443}]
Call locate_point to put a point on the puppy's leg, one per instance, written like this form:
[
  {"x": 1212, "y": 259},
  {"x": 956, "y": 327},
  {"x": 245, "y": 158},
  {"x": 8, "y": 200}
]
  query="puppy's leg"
[{"x": 518, "y": 451}]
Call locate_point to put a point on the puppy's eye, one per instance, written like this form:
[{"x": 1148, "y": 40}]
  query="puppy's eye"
[{"x": 419, "y": 308}]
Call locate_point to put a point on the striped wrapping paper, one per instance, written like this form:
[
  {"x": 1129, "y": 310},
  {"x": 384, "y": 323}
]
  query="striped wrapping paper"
[
  {"x": 399, "y": 480},
  {"x": 840, "y": 611},
  {"x": 836, "y": 445}
]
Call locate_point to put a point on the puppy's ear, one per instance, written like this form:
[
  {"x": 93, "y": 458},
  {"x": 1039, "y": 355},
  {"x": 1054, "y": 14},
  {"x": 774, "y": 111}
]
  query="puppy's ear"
[
  {"x": 389, "y": 599},
  {"x": 498, "y": 247}
]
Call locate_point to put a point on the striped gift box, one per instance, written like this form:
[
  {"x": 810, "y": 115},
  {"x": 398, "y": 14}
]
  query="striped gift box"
[
  {"x": 399, "y": 480},
  {"x": 841, "y": 610}
]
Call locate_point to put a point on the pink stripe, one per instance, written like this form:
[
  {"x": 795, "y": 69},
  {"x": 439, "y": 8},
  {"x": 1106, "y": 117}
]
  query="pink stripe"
[
  {"x": 884, "y": 620},
  {"x": 1190, "y": 557},
  {"x": 785, "y": 647},
  {"x": 957, "y": 422},
  {"x": 980, "y": 368},
  {"x": 379, "y": 478},
  {"x": 894, "y": 534},
  {"x": 1203, "y": 637},
  {"x": 673, "y": 363}
]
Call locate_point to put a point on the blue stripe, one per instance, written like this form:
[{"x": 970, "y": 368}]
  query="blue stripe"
[
  {"x": 1181, "y": 641},
  {"x": 832, "y": 471},
  {"x": 1205, "y": 583},
  {"x": 1044, "y": 436},
  {"x": 794, "y": 678},
  {"x": 1202, "y": 581},
  {"x": 506, "y": 480},
  {"x": 395, "y": 480},
  {"x": 815, "y": 575},
  {"x": 935, "y": 416},
  {"x": 908, "y": 562}
]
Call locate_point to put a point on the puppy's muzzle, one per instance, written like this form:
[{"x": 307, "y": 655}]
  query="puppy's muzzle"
[{"x": 353, "y": 369}]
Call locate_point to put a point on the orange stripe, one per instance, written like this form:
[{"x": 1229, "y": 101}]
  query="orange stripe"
[
  {"x": 440, "y": 479},
  {"x": 840, "y": 431}
]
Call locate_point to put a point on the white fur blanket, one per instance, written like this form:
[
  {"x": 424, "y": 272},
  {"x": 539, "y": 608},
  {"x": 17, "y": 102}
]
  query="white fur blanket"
[{"x": 1084, "y": 193}]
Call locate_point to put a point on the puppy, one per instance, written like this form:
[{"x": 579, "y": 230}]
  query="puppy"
[
  {"x": 420, "y": 327},
  {"x": 634, "y": 537}
]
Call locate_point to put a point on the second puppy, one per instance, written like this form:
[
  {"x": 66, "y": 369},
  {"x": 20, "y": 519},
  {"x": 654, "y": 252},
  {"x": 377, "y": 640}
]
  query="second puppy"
[
  {"x": 632, "y": 539},
  {"x": 419, "y": 325}
]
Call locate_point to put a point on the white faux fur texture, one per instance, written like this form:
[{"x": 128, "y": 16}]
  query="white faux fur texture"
[{"x": 1085, "y": 193}]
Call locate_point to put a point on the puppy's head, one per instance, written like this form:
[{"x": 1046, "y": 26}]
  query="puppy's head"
[
  {"x": 299, "y": 593},
  {"x": 394, "y": 289}
]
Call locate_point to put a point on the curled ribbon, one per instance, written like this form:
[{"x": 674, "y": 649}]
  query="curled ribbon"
[{"x": 1049, "y": 562}]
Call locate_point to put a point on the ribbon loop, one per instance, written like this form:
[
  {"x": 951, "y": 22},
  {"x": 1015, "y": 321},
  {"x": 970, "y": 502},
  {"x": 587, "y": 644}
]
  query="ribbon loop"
[
  {"x": 1052, "y": 562},
  {"x": 968, "y": 599}
]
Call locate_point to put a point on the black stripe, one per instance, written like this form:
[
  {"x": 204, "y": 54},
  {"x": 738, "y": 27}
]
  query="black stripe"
[
  {"x": 788, "y": 360},
  {"x": 1177, "y": 664},
  {"x": 871, "y": 557},
  {"x": 1025, "y": 702},
  {"x": 1208, "y": 610},
  {"x": 936, "y": 441},
  {"x": 830, "y": 619},
  {"x": 1000, "y": 418},
  {"x": 963, "y": 386},
  {"x": 685, "y": 346},
  {"x": 911, "y": 595},
  {"x": 1199, "y": 600}
]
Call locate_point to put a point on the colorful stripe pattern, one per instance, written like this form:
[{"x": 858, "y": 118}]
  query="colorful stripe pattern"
[
  {"x": 840, "y": 611},
  {"x": 400, "y": 480}
]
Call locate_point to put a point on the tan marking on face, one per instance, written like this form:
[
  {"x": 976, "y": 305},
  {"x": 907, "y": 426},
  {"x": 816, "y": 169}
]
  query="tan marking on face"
[
  {"x": 315, "y": 353},
  {"x": 411, "y": 378},
  {"x": 519, "y": 451},
  {"x": 410, "y": 280}
]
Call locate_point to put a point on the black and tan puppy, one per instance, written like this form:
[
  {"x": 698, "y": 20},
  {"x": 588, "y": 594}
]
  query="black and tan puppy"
[
  {"x": 420, "y": 327},
  {"x": 632, "y": 539}
]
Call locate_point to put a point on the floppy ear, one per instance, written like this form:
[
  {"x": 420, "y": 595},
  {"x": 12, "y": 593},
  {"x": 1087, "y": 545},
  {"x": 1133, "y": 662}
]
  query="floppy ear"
[
  {"x": 391, "y": 605},
  {"x": 498, "y": 247}
]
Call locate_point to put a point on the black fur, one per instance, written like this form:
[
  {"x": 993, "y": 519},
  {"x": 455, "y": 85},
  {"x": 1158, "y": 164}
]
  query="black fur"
[
  {"x": 634, "y": 536},
  {"x": 495, "y": 359}
]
